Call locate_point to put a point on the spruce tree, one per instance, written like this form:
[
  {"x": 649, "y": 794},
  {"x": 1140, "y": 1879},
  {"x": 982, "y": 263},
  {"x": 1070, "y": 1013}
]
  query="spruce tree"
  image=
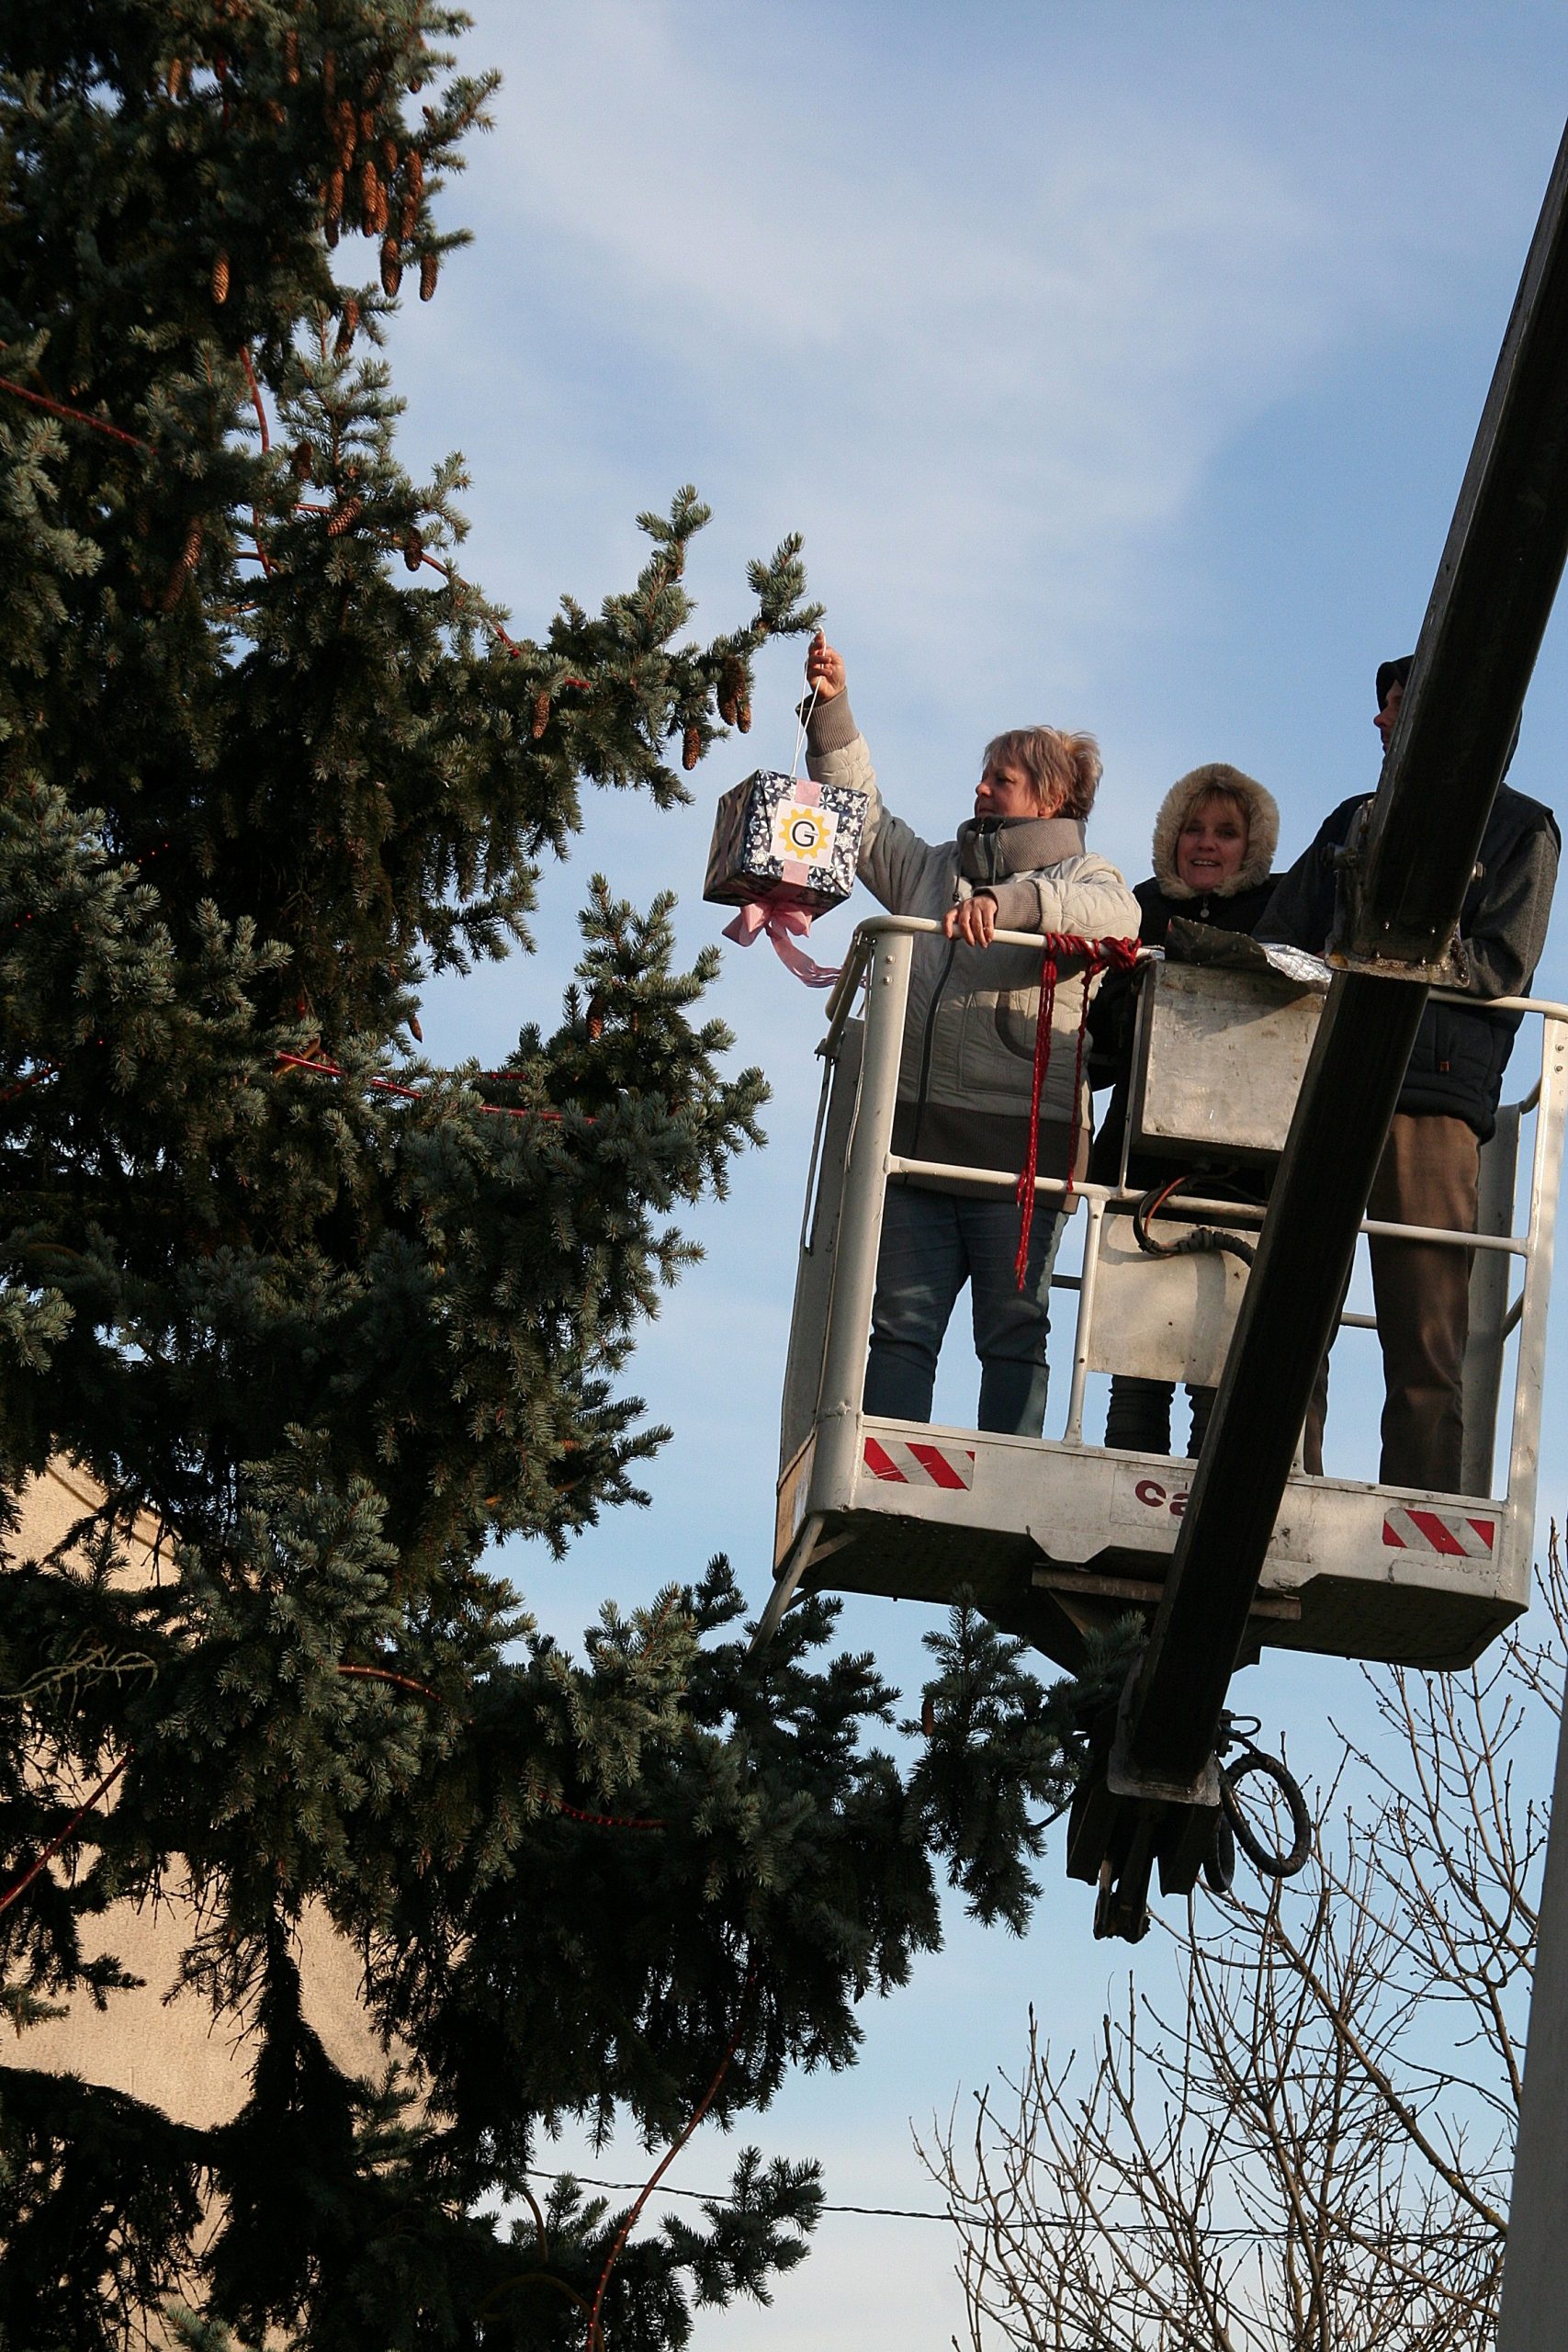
[{"x": 339, "y": 1320}]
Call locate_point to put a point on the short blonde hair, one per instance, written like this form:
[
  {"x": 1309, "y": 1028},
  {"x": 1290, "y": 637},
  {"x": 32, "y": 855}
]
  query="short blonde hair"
[{"x": 1063, "y": 769}]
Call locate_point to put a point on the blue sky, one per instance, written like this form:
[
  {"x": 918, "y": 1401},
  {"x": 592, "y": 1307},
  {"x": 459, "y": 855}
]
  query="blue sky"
[{"x": 1120, "y": 366}]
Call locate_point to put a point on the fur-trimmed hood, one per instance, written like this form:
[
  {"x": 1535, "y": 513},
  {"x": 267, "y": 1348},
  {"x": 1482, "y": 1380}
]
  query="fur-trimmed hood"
[{"x": 1262, "y": 827}]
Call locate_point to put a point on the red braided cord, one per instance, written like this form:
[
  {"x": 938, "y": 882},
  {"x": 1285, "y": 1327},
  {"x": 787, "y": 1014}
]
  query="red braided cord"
[
  {"x": 116, "y": 433},
  {"x": 412, "y": 1093},
  {"x": 76, "y": 415},
  {"x": 20, "y": 1886},
  {"x": 595, "y": 2331},
  {"x": 1096, "y": 955},
  {"x": 603, "y": 1820},
  {"x": 1025, "y": 1191}
]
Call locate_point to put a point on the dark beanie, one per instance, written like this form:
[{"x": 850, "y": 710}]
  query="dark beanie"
[{"x": 1393, "y": 673}]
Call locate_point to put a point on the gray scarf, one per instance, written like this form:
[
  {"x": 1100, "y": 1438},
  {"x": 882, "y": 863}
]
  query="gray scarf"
[{"x": 992, "y": 848}]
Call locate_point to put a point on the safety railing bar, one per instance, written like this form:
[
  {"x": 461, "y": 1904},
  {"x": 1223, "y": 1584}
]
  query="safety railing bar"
[
  {"x": 1508, "y": 1245},
  {"x": 1116, "y": 1197},
  {"x": 807, "y": 1217},
  {"x": 873, "y": 924},
  {"x": 1072, "y": 1434},
  {"x": 1546, "y": 1168},
  {"x": 1544, "y": 1005},
  {"x": 995, "y": 1179},
  {"x": 1511, "y": 1320}
]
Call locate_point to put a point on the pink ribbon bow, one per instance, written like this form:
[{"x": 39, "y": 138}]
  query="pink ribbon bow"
[{"x": 784, "y": 926}]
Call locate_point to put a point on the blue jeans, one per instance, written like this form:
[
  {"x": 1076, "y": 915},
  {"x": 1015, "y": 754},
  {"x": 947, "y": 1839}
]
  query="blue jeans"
[{"x": 932, "y": 1243}]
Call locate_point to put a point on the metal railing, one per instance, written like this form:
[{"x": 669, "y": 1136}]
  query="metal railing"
[{"x": 844, "y": 1210}]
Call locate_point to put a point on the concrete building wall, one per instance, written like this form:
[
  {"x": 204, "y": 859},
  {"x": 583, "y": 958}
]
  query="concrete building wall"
[{"x": 166, "y": 2051}]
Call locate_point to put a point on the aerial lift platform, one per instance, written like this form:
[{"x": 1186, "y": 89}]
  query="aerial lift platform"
[
  {"x": 1054, "y": 1537},
  {"x": 1046, "y": 1535}
]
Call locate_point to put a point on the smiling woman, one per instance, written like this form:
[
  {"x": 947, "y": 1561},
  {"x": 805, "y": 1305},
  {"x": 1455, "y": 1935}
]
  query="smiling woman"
[{"x": 1215, "y": 841}]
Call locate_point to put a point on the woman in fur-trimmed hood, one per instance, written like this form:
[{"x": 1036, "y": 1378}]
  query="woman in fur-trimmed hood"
[
  {"x": 1215, "y": 841},
  {"x": 1185, "y": 876}
]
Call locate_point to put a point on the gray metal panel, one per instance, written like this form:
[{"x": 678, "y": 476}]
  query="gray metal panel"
[
  {"x": 1219, "y": 1061},
  {"x": 1163, "y": 1319},
  {"x": 819, "y": 1238}
]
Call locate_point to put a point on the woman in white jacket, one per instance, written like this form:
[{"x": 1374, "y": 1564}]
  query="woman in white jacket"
[{"x": 964, "y": 1083}]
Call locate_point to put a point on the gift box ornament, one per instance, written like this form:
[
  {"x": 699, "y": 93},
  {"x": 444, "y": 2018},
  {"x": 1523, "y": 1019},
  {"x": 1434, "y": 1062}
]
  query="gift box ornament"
[{"x": 782, "y": 841}]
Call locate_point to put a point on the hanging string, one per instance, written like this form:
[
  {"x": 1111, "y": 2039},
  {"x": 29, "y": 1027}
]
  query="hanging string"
[
  {"x": 1096, "y": 956},
  {"x": 803, "y": 715}
]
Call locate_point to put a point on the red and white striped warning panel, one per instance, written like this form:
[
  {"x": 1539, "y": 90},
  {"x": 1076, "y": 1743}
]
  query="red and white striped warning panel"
[
  {"x": 915, "y": 1462},
  {"x": 1452, "y": 1532}
]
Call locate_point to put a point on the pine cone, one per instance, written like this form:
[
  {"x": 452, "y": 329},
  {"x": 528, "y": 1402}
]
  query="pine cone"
[
  {"x": 731, "y": 686},
  {"x": 371, "y": 198},
  {"x": 928, "y": 1714},
  {"x": 302, "y": 460},
  {"x": 392, "y": 268},
  {"x": 291, "y": 58},
  {"x": 348, "y": 323},
  {"x": 413, "y": 550},
  {"x": 414, "y": 1030},
  {"x": 541, "y": 715},
  {"x": 414, "y": 168},
  {"x": 743, "y": 718},
  {"x": 343, "y": 516},
  {"x": 329, "y": 71},
  {"x": 390, "y": 156},
  {"x": 177, "y": 77},
  {"x": 429, "y": 268},
  {"x": 367, "y": 126},
  {"x": 692, "y": 748},
  {"x": 345, "y": 124},
  {"x": 221, "y": 277},
  {"x": 594, "y": 1020},
  {"x": 334, "y": 198},
  {"x": 408, "y": 220},
  {"x": 185, "y": 564}
]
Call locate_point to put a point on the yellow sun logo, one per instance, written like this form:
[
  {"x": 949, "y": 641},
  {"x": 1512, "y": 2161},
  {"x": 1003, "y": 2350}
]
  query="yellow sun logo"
[{"x": 804, "y": 834}]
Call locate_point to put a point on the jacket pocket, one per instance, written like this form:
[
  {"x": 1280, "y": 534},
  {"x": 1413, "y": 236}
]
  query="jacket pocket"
[{"x": 1016, "y": 1012}]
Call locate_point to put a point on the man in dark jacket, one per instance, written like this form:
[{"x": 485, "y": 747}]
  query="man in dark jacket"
[{"x": 1446, "y": 1110}]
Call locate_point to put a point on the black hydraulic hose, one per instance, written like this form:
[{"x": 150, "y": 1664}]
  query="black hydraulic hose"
[
  {"x": 1263, "y": 1859},
  {"x": 1198, "y": 1238}
]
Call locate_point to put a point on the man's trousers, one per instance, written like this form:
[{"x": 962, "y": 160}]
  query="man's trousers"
[{"x": 1427, "y": 1175}]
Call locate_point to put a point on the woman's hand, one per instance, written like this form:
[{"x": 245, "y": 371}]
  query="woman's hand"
[
  {"x": 973, "y": 920},
  {"x": 825, "y": 669}
]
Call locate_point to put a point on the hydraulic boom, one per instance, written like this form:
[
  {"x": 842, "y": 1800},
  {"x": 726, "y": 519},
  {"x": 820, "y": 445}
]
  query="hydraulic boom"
[{"x": 1153, "y": 1793}]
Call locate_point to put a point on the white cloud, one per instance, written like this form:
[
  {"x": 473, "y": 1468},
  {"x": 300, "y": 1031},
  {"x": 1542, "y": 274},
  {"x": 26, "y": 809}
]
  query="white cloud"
[{"x": 990, "y": 373}]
